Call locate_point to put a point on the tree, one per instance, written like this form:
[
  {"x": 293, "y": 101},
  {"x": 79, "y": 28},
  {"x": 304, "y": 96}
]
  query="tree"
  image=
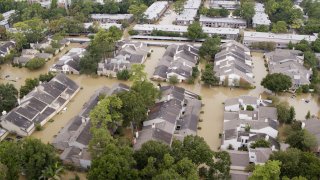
[
  {"x": 285, "y": 114},
  {"x": 173, "y": 80},
  {"x": 137, "y": 73},
  {"x": 134, "y": 109},
  {"x": 316, "y": 45},
  {"x": 3, "y": 172},
  {"x": 208, "y": 76},
  {"x": 36, "y": 157},
  {"x": 10, "y": 156},
  {"x": 35, "y": 63},
  {"x": 302, "y": 140},
  {"x": 260, "y": 143},
  {"x": 279, "y": 27},
  {"x": 123, "y": 75},
  {"x": 20, "y": 40},
  {"x": 33, "y": 29},
  {"x": 271, "y": 170},
  {"x": 52, "y": 172},
  {"x": 292, "y": 161},
  {"x": 1, "y": 17},
  {"x": 8, "y": 97},
  {"x": 195, "y": 31},
  {"x": 147, "y": 91},
  {"x": 107, "y": 113},
  {"x": 247, "y": 10},
  {"x": 179, "y": 6},
  {"x": 116, "y": 162},
  {"x": 138, "y": 11},
  {"x": 153, "y": 149},
  {"x": 262, "y": 28},
  {"x": 210, "y": 47},
  {"x": 310, "y": 59},
  {"x": 277, "y": 82},
  {"x": 30, "y": 84},
  {"x": 308, "y": 116}
]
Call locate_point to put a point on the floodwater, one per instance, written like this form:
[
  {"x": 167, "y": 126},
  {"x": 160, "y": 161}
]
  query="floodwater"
[
  {"x": 212, "y": 98},
  {"x": 17, "y": 75}
]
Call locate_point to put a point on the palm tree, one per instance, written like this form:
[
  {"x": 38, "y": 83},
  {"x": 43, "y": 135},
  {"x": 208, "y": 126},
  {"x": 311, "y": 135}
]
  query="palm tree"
[{"x": 52, "y": 172}]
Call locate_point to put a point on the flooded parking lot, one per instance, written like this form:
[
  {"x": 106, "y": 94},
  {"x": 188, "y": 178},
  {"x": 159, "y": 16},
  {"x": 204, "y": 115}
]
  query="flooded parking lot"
[{"x": 212, "y": 98}]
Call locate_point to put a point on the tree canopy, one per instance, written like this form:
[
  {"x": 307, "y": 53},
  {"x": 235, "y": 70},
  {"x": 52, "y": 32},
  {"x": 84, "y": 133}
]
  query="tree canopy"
[
  {"x": 208, "y": 76},
  {"x": 210, "y": 47},
  {"x": 8, "y": 97},
  {"x": 295, "y": 163},
  {"x": 35, "y": 63},
  {"x": 195, "y": 31},
  {"x": 270, "y": 170},
  {"x": 277, "y": 82}
]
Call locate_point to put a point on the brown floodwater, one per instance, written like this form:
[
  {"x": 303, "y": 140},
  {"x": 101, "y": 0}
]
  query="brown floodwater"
[{"x": 212, "y": 98}]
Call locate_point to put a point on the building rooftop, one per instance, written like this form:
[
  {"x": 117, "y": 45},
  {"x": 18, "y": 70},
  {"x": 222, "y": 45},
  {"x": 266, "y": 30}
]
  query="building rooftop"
[
  {"x": 155, "y": 9},
  {"x": 112, "y": 16},
  {"x": 187, "y": 15},
  {"x": 267, "y": 36},
  {"x": 222, "y": 20},
  {"x": 192, "y": 4},
  {"x": 183, "y": 29}
]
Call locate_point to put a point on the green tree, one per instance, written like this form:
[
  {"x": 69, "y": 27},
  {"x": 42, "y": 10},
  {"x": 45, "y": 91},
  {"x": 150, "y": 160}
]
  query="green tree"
[
  {"x": 302, "y": 140},
  {"x": 33, "y": 29},
  {"x": 277, "y": 82},
  {"x": 35, "y": 63},
  {"x": 173, "y": 80},
  {"x": 260, "y": 143},
  {"x": 1, "y": 17},
  {"x": 36, "y": 157},
  {"x": 178, "y": 6},
  {"x": 279, "y": 27},
  {"x": 210, "y": 47},
  {"x": 138, "y": 11},
  {"x": 10, "y": 156},
  {"x": 20, "y": 39},
  {"x": 8, "y": 97},
  {"x": 153, "y": 149},
  {"x": 292, "y": 161},
  {"x": 208, "y": 76},
  {"x": 308, "y": 116},
  {"x": 262, "y": 28},
  {"x": 123, "y": 75},
  {"x": 137, "y": 73},
  {"x": 147, "y": 91},
  {"x": 52, "y": 172},
  {"x": 285, "y": 114},
  {"x": 107, "y": 113},
  {"x": 195, "y": 31},
  {"x": 134, "y": 109},
  {"x": 247, "y": 10},
  {"x": 30, "y": 84},
  {"x": 310, "y": 59},
  {"x": 271, "y": 170},
  {"x": 116, "y": 162},
  {"x": 3, "y": 172},
  {"x": 316, "y": 45}
]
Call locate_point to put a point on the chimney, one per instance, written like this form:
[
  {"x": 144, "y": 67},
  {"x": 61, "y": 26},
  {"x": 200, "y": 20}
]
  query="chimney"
[
  {"x": 153, "y": 126},
  {"x": 267, "y": 137},
  {"x": 4, "y": 113},
  {"x": 273, "y": 148},
  {"x": 137, "y": 134},
  {"x": 83, "y": 120}
]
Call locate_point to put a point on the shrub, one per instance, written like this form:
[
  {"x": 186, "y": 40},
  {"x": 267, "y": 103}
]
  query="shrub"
[
  {"x": 173, "y": 80},
  {"x": 35, "y": 63},
  {"x": 39, "y": 127},
  {"x": 133, "y": 32},
  {"x": 250, "y": 108},
  {"x": 123, "y": 75}
]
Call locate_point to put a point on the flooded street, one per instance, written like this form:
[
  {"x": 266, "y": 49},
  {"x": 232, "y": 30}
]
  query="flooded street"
[{"x": 212, "y": 98}]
